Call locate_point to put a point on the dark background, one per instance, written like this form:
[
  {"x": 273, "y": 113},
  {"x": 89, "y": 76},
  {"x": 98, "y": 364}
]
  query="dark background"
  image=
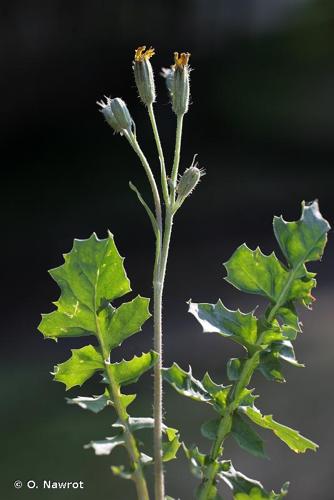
[{"x": 262, "y": 123}]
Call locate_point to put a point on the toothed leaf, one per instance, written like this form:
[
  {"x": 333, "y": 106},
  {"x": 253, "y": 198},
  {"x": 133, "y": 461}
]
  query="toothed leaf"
[
  {"x": 79, "y": 367},
  {"x": 184, "y": 383},
  {"x": 291, "y": 437},
  {"x": 91, "y": 275},
  {"x": 303, "y": 240},
  {"x": 245, "y": 488},
  {"x": 94, "y": 404},
  {"x": 128, "y": 372},
  {"x": 125, "y": 321},
  {"x": 239, "y": 326},
  {"x": 234, "y": 368}
]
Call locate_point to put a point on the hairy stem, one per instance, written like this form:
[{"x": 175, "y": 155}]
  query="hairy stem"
[
  {"x": 164, "y": 184},
  {"x": 158, "y": 287},
  {"x": 176, "y": 163}
]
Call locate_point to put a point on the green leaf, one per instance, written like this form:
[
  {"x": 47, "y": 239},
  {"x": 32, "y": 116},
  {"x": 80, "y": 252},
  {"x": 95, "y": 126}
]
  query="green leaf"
[
  {"x": 94, "y": 404},
  {"x": 234, "y": 368},
  {"x": 288, "y": 315},
  {"x": 253, "y": 272},
  {"x": 218, "y": 392},
  {"x": 197, "y": 460},
  {"x": 209, "y": 429},
  {"x": 247, "y": 438},
  {"x": 79, "y": 367},
  {"x": 244, "y": 488},
  {"x": 105, "y": 446},
  {"x": 270, "y": 367},
  {"x": 184, "y": 383},
  {"x": 125, "y": 321},
  {"x": 170, "y": 448},
  {"x": 91, "y": 275},
  {"x": 128, "y": 372},
  {"x": 291, "y": 437},
  {"x": 239, "y": 326},
  {"x": 303, "y": 240}
]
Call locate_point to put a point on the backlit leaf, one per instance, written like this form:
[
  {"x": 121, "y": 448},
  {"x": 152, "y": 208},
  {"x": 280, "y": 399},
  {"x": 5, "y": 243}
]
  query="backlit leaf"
[
  {"x": 291, "y": 437},
  {"x": 303, "y": 240},
  {"x": 129, "y": 371},
  {"x": 79, "y": 367}
]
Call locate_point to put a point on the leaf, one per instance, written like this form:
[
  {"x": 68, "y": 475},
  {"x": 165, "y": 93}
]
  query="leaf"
[
  {"x": 91, "y": 275},
  {"x": 184, "y": 383},
  {"x": 94, "y": 404},
  {"x": 79, "y": 367},
  {"x": 291, "y": 437},
  {"x": 105, "y": 446},
  {"x": 125, "y": 321},
  {"x": 128, "y": 372},
  {"x": 288, "y": 315},
  {"x": 170, "y": 448},
  {"x": 218, "y": 392},
  {"x": 217, "y": 318},
  {"x": 234, "y": 368},
  {"x": 270, "y": 367},
  {"x": 197, "y": 460},
  {"x": 247, "y": 438},
  {"x": 257, "y": 494},
  {"x": 303, "y": 240},
  {"x": 244, "y": 488},
  {"x": 286, "y": 352},
  {"x": 209, "y": 429},
  {"x": 253, "y": 272}
]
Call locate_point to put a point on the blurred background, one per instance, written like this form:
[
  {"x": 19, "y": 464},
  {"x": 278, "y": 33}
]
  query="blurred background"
[{"x": 261, "y": 122}]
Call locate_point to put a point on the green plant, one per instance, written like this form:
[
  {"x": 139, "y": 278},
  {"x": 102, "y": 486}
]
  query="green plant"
[
  {"x": 93, "y": 276},
  {"x": 267, "y": 340}
]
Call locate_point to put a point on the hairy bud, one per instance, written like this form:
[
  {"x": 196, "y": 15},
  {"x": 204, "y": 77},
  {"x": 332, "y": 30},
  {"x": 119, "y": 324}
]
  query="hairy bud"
[
  {"x": 188, "y": 182},
  {"x": 143, "y": 73},
  {"x": 181, "y": 83},
  {"x": 116, "y": 114}
]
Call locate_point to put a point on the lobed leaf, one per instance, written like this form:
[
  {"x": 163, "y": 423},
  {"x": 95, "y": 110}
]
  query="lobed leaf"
[
  {"x": 94, "y": 404},
  {"x": 291, "y": 437},
  {"x": 239, "y": 326},
  {"x": 244, "y": 488},
  {"x": 105, "y": 446},
  {"x": 129, "y": 371},
  {"x": 79, "y": 367},
  {"x": 303, "y": 240},
  {"x": 184, "y": 383}
]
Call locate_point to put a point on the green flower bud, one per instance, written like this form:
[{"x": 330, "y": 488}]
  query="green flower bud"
[
  {"x": 116, "y": 114},
  {"x": 180, "y": 88},
  {"x": 143, "y": 73},
  {"x": 188, "y": 182}
]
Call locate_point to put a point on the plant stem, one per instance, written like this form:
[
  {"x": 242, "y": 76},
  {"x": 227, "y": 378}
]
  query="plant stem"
[
  {"x": 176, "y": 163},
  {"x": 164, "y": 184},
  {"x": 245, "y": 377},
  {"x": 156, "y": 197},
  {"x": 130, "y": 442},
  {"x": 158, "y": 287}
]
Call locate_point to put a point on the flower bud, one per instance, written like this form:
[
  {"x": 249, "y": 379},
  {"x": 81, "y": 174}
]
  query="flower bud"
[
  {"x": 188, "y": 182},
  {"x": 180, "y": 84},
  {"x": 116, "y": 114},
  {"x": 143, "y": 73}
]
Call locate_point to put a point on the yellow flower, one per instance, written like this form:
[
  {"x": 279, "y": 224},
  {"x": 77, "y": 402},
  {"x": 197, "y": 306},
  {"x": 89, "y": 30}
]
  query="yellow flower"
[
  {"x": 182, "y": 60},
  {"x": 141, "y": 54}
]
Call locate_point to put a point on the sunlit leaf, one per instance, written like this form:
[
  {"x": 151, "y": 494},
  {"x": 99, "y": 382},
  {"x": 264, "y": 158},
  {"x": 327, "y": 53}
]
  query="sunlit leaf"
[
  {"x": 291, "y": 437},
  {"x": 79, "y": 367}
]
